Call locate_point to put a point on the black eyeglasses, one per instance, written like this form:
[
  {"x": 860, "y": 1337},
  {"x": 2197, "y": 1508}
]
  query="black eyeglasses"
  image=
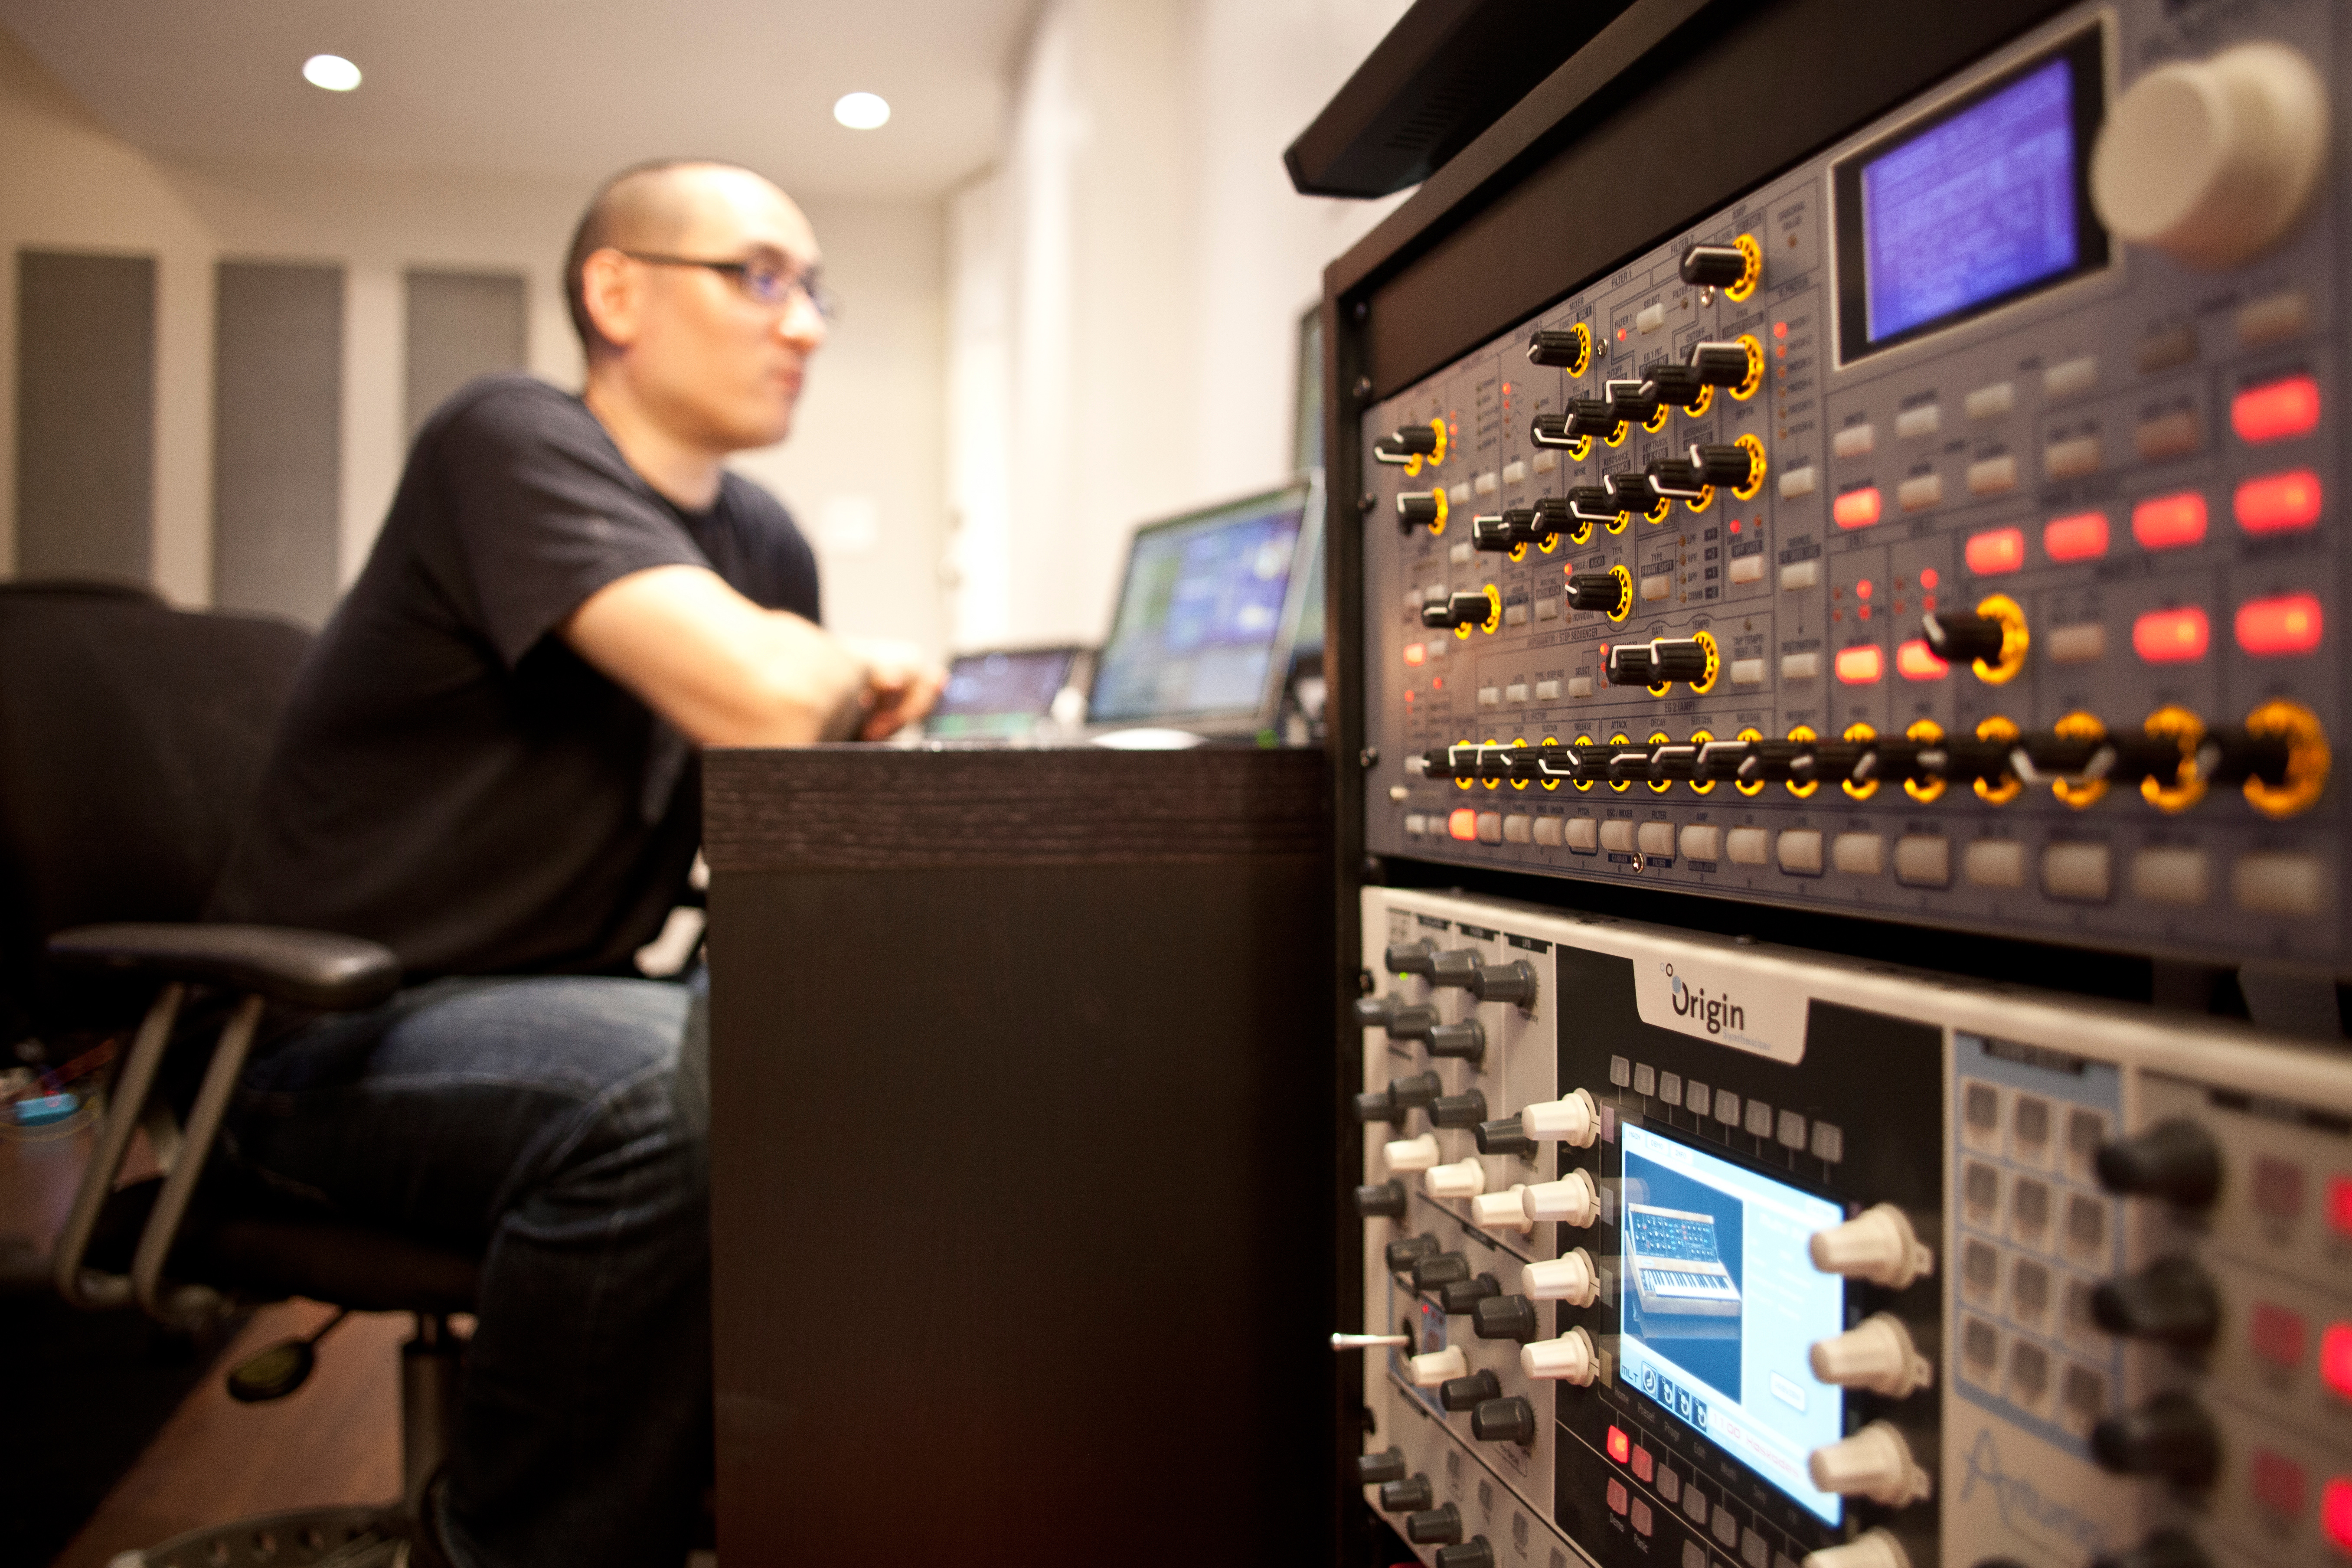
[{"x": 765, "y": 280}]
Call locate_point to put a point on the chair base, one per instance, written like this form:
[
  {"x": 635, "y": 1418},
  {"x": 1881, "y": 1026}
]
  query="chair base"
[{"x": 345, "y": 1537}]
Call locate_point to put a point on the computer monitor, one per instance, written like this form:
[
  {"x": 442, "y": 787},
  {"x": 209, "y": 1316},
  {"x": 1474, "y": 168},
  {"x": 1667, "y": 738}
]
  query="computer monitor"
[
  {"x": 1207, "y": 613},
  {"x": 1001, "y": 694}
]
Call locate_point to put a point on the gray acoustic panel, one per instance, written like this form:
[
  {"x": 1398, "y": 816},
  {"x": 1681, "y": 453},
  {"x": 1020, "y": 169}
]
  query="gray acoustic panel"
[
  {"x": 460, "y": 325},
  {"x": 278, "y": 412},
  {"x": 85, "y": 415}
]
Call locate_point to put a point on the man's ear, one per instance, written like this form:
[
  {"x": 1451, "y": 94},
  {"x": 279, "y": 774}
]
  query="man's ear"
[{"x": 613, "y": 290}]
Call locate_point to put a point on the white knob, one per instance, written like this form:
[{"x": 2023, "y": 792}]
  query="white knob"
[
  {"x": 1572, "y": 1200},
  {"x": 1435, "y": 1367},
  {"x": 1464, "y": 1179},
  {"x": 1877, "y": 1355},
  {"x": 1877, "y": 1245},
  {"x": 1501, "y": 1211},
  {"x": 1568, "y": 1359},
  {"x": 1575, "y": 1121},
  {"x": 1875, "y": 1463},
  {"x": 1572, "y": 1279},
  {"x": 2212, "y": 161},
  {"x": 1871, "y": 1549},
  {"x": 1412, "y": 1153}
]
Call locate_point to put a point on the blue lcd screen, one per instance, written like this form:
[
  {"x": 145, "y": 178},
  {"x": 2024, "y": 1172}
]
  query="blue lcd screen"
[
  {"x": 1721, "y": 1305},
  {"x": 1977, "y": 207}
]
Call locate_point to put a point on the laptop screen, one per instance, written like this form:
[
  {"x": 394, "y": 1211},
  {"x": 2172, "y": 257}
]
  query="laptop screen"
[
  {"x": 1207, "y": 613},
  {"x": 1000, "y": 694}
]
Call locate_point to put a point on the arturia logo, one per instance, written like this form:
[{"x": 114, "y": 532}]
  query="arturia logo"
[{"x": 1717, "y": 1012}]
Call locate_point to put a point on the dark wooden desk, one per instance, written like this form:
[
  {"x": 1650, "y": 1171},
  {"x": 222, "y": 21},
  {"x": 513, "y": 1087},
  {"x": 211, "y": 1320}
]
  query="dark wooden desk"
[{"x": 1023, "y": 1140}]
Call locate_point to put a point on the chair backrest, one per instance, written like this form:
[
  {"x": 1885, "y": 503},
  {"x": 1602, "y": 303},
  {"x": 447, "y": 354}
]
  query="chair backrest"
[{"x": 133, "y": 738}]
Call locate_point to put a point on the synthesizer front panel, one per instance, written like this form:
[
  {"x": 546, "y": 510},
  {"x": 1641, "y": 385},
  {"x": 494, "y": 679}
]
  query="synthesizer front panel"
[
  {"x": 1697, "y": 1253},
  {"x": 1942, "y": 532}
]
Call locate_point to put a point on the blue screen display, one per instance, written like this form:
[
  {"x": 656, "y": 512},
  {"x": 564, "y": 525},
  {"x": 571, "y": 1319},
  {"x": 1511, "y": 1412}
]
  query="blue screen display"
[
  {"x": 1199, "y": 616},
  {"x": 1982, "y": 205},
  {"x": 1721, "y": 1304}
]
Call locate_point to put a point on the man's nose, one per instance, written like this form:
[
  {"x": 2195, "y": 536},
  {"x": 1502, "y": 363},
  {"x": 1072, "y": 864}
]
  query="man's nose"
[{"x": 801, "y": 325}]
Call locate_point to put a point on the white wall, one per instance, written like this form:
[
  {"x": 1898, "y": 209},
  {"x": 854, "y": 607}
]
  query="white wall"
[
  {"x": 870, "y": 415},
  {"x": 1126, "y": 288}
]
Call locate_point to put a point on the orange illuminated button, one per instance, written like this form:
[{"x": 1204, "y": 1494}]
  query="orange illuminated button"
[
  {"x": 1415, "y": 653},
  {"x": 1856, "y": 508},
  {"x": 1464, "y": 825},
  {"x": 1860, "y": 665},
  {"x": 2336, "y": 1358},
  {"x": 2170, "y": 523},
  {"x": 2082, "y": 537},
  {"x": 2171, "y": 636},
  {"x": 2276, "y": 410},
  {"x": 1996, "y": 550},
  {"x": 2275, "y": 628},
  {"x": 2336, "y": 1511},
  {"x": 1621, "y": 1446},
  {"x": 1914, "y": 661},
  {"x": 2278, "y": 503}
]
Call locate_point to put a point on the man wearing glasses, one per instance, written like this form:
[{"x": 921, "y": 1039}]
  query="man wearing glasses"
[{"x": 489, "y": 765}]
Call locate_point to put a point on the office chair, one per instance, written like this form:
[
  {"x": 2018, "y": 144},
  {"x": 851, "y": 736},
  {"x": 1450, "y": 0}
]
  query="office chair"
[{"x": 131, "y": 741}]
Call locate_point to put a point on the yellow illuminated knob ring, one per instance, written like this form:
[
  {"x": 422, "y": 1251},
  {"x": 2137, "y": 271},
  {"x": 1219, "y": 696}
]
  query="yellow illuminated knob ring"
[
  {"x": 1701, "y": 501},
  {"x": 1859, "y": 732},
  {"x": 1582, "y": 533},
  {"x": 1490, "y": 784},
  {"x": 1583, "y": 351},
  {"x": 1659, "y": 737},
  {"x": 1753, "y": 446},
  {"x": 1714, "y": 663},
  {"x": 1462, "y": 782},
  {"x": 1624, "y": 590},
  {"x": 2307, "y": 758},
  {"x": 1580, "y": 449},
  {"x": 1998, "y": 729},
  {"x": 1520, "y": 551},
  {"x": 1657, "y": 419},
  {"x": 1925, "y": 733},
  {"x": 1583, "y": 784},
  {"x": 2186, "y": 730},
  {"x": 1802, "y": 790},
  {"x": 1494, "y": 611},
  {"x": 1438, "y": 456},
  {"x": 1753, "y": 253},
  {"x": 1617, "y": 432},
  {"x": 1551, "y": 783},
  {"x": 1519, "y": 783},
  {"x": 1660, "y": 512},
  {"x": 2079, "y": 726},
  {"x": 1550, "y": 543},
  {"x": 2014, "y": 639},
  {"x": 1620, "y": 738},
  {"x": 1749, "y": 733},
  {"x": 1747, "y": 388},
  {"x": 1697, "y": 408},
  {"x": 1437, "y": 525},
  {"x": 1700, "y": 738}
]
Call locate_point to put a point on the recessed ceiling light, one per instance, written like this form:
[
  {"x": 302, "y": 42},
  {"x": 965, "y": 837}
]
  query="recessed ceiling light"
[
  {"x": 333, "y": 73},
  {"x": 861, "y": 111}
]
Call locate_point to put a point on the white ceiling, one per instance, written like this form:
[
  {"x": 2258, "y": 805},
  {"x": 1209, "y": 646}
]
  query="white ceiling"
[{"x": 568, "y": 87}]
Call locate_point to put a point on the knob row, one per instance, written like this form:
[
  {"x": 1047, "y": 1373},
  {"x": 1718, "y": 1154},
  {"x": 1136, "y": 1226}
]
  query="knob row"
[{"x": 1736, "y": 366}]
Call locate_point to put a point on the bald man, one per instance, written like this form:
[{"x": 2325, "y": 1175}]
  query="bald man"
[{"x": 489, "y": 765}]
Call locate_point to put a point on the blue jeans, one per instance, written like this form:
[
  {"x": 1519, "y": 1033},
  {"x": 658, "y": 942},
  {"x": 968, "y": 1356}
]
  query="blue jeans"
[{"x": 557, "y": 1126}]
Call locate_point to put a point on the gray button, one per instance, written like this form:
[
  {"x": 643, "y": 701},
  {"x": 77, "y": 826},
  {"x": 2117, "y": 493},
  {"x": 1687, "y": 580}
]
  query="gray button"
[
  {"x": 1517, "y": 829},
  {"x": 1991, "y": 402},
  {"x": 2076, "y": 872},
  {"x": 1645, "y": 1078},
  {"x": 1859, "y": 854},
  {"x": 1923, "y": 860},
  {"x": 1800, "y": 851},
  {"x": 1620, "y": 1071},
  {"x": 2278, "y": 884},
  {"x": 1994, "y": 863},
  {"x": 1657, "y": 838},
  {"x": 1617, "y": 837},
  {"x": 2170, "y": 875},
  {"x": 1547, "y": 832},
  {"x": 2071, "y": 378},
  {"x": 1490, "y": 827},
  {"x": 2167, "y": 347},
  {"x": 1584, "y": 834}
]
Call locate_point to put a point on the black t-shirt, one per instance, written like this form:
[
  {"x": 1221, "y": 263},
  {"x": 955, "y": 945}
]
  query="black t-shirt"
[{"x": 449, "y": 778}]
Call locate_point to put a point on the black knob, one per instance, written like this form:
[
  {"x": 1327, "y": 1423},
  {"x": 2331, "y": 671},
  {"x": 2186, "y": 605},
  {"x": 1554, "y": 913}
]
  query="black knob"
[
  {"x": 1382, "y": 1200},
  {"x": 1677, "y": 476},
  {"x": 2165, "y": 1549},
  {"x": 1421, "y": 1089},
  {"x": 1378, "y": 1105},
  {"x": 1727, "y": 464},
  {"x": 1593, "y": 416},
  {"x": 1551, "y": 430},
  {"x": 1963, "y": 759},
  {"x": 2177, "y": 1161},
  {"x": 2172, "y": 1300},
  {"x": 1471, "y": 1554},
  {"x": 1514, "y": 982},
  {"x": 1412, "y": 1023},
  {"x": 1714, "y": 265},
  {"x": 1437, "y": 1526},
  {"x": 1454, "y": 968},
  {"x": 1674, "y": 762},
  {"x": 2231, "y": 756},
  {"x": 2170, "y": 1436},
  {"x": 2140, "y": 755},
  {"x": 1629, "y": 765},
  {"x": 1438, "y": 764},
  {"x": 1720, "y": 364},
  {"x": 1410, "y": 957},
  {"x": 1560, "y": 350},
  {"x": 1892, "y": 762},
  {"x": 2067, "y": 756},
  {"x": 1439, "y": 1268},
  {"x": 1962, "y": 637},
  {"x": 1460, "y": 609},
  {"x": 1828, "y": 761},
  {"x": 1406, "y": 1250},
  {"x": 1505, "y": 1137},
  {"x": 1629, "y": 665},
  {"x": 1602, "y": 591},
  {"x": 1674, "y": 384},
  {"x": 1462, "y": 1295},
  {"x": 1387, "y": 1465},
  {"x": 1466, "y": 1039},
  {"x": 1678, "y": 658},
  {"x": 1412, "y": 441},
  {"x": 1491, "y": 532},
  {"x": 1549, "y": 516},
  {"x": 1632, "y": 493},
  {"x": 1458, "y": 1110},
  {"x": 1511, "y": 1420},
  {"x": 1720, "y": 760},
  {"x": 1468, "y": 1392},
  {"x": 1375, "y": 1010},
  {"x": 1412, "y": 1492},
  {"x": 1636, "y": 401},
  {"x": 1507, "y": 1318},
  {"x": 1771, "y": 761},
  {"x": 1419, "y": 509}
]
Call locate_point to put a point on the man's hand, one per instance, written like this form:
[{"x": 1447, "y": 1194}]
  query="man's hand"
[{"x": 901, "y": 684}]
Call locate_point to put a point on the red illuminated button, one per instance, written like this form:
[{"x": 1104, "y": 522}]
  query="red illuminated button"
[
  {"x": 2336, "y": 1358},
  {"x": 1621, "y": 1446},
  {"x": 1464, "y": 825},
  {"x": 1856, "y": 508},
  {"x": 2278, "y": 503},
  {"x": 1914, "y": 661},
  {"x": 2170, "y": 523},
  {"x": 1618, "y": 1496},
  {"x": 1415, "y": 653},
  {"x": 2171, "y": 636},
  {"x": 2276, "y": 410},
  {"x": 2276, "y": 1334},
  {"x": 1644, "y": 1466},
  {"x": 2275, "y": 628},
  {"x": 1996, "y": 550},
  {"x": 2279, "y": 1483},
  {"x": 1860, "y": 665},
  {"x": 2082, "y": 537},
  {"x": 2336, "y": 1511},
  {"x": 2340, "y": 1205}
]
